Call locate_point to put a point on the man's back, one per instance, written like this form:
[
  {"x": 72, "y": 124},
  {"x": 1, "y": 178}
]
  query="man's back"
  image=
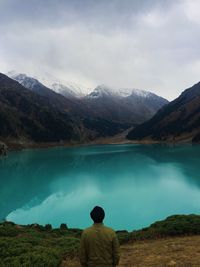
[{"x": 99, "y": 247}]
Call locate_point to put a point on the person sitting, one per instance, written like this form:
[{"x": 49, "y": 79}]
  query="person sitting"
[{"x": 99, "y": 244}]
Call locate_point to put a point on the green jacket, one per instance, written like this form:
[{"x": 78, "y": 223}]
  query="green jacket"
[{"x": 99, "y": 247}]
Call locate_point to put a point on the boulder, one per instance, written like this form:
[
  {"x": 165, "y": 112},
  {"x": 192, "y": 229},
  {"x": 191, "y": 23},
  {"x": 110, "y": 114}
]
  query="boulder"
[{"x": 3, "y": 149}]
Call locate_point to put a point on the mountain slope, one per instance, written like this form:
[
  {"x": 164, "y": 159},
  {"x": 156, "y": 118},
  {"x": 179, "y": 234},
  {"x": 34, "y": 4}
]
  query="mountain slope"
[
  {"x": 65, "y": 88},
  {"x": 69, "y": 90},
  {"x": 54, "y": 98},
  {"x": 124, "y": 105},
  {"x": 25, "y": 115},
  {"x": 177, "y": 121},
  {"x": 104, "y": 104},
  {"x": 41, "y": 115}
]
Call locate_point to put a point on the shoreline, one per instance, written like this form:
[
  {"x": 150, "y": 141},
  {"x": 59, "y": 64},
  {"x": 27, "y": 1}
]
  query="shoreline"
[
  {"x": 24, "y": 146},
  {"x": 119, "y": 139}
]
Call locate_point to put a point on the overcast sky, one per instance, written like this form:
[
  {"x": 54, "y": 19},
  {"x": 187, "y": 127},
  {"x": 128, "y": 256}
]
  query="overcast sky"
[{"x": 145, "y": 44}]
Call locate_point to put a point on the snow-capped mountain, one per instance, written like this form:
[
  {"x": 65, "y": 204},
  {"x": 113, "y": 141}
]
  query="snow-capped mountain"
[
  {"x": 28, "y": 116},
  {"x": 58, "y": 100},
  {"x": 22, "y": 78},
  {"x": 71, "y": 90},
  {"x": 124, "y": 105},
  {"x": 121, "y": 105},
  {"x": 103, "y": 91},
  {"x": 176, "y": 122},
  {"x": 65, "y": 88}
]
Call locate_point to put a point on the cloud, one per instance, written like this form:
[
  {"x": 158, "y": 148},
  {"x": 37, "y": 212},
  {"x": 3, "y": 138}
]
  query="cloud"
[
  {"x": 166, "y": 185},
  {"x": 143, "y": 44}
]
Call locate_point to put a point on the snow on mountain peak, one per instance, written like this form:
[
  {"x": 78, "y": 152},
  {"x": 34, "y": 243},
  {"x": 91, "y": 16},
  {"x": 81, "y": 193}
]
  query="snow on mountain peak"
[
  {"x": 100, "y": 91},
  {"x": 141, "y": 93},
  {"x": 69, "y": 89},
  {"x": 103, "y": 90},
  {"x": 22, "y": 78},
  {"x": 64, "y": 87}
]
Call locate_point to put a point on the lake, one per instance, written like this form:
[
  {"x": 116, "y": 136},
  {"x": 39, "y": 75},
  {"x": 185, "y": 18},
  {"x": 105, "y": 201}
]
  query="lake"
[{"x": 136, "y": 184}]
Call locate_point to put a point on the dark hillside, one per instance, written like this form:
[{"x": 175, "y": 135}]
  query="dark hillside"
[
  {"x": 177, "y": 121},
  {"x": 26, "y": 115}
]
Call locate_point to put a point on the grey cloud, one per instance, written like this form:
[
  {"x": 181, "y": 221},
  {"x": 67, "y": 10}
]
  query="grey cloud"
[
  {"x": 56, "y": 12},
  {"x": 151, "y": 44}
]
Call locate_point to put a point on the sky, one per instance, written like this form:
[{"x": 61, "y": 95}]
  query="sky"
[{"x": 144, "y": 44}]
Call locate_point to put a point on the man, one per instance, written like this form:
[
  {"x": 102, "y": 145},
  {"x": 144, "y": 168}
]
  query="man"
[{"x": 99, "y": 244}]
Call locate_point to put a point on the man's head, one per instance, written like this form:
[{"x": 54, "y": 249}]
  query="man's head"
[{"x": 97, "y": 214}]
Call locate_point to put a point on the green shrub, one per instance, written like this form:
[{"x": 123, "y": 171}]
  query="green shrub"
[
  {"x": 36, "y": 245},
  {"x": 48, "y": 227},
  {"x": 175, "y": 225},
  {"x": 63, "y": 226}
]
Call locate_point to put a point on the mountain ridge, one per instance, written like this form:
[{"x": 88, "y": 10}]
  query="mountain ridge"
[
  {"x": 27, "y": 115},
  {"x": 123, "y": 106},
  {"x": 177, "y": 121},
  {"x": 63, "y": 87},
  {"x": 75, "y": 89}
]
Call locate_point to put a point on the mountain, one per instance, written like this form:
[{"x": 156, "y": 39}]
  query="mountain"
[
  {"x": 123, "y": 105},
  {"x": 54, "y": 98},
  {"x": 27, "y": 116},
  {"x": 41, "y": 115},
  {"x": 65, "y": 88},
  {"x": 69, "y": 90},
  {"x": 178, "y": 121},
  {"x": 103, "y": 90}
]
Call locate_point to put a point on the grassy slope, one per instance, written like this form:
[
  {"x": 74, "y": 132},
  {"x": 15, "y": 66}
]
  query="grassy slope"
[{"x": 174, "y": 240}]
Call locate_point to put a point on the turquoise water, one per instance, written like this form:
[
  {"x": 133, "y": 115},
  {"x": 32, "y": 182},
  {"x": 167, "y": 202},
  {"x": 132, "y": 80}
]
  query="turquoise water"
[{"x": 136, "y": 184}]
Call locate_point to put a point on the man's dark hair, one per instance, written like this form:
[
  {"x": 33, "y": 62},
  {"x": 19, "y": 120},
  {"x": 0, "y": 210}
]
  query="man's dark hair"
[{"x": 97, "y": 214}]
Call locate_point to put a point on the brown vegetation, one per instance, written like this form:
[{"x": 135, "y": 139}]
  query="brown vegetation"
[{"x": 176, "y": 251}]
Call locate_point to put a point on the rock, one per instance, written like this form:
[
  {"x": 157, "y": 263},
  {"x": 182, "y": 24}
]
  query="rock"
[
  {"x": 3, "y": 149},
  {"x": 171, "y": 263}
]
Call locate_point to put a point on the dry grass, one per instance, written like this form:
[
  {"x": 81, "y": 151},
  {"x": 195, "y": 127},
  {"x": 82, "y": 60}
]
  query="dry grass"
[
  {"x": 178, "y": 252},
  {"x": 182, "y": 251}
]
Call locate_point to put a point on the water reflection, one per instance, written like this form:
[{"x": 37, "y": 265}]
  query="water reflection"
[{"x": 136, "y": 184}]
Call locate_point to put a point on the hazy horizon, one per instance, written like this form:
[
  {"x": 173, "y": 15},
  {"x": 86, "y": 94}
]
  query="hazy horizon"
[{"x": 150, "y": 45}]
